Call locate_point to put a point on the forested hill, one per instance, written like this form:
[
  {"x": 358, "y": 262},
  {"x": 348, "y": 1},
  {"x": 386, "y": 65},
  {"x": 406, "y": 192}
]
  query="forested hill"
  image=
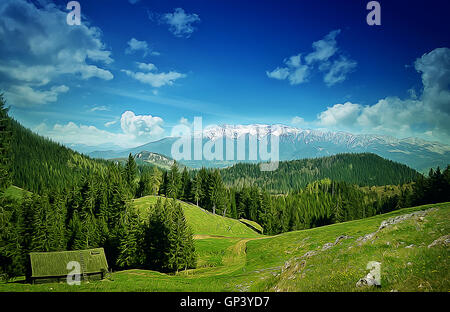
[
  {"x": 362, "y": 169},
  {"x": 39, "y": 163}
]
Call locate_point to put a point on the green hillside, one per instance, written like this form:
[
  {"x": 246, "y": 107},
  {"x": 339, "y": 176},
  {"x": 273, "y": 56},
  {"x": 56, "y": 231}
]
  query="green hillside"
[
  {"x": 413, "y": 252},
  {"x": 39, "y": 163},
  {"x": 202, "y": 222}
]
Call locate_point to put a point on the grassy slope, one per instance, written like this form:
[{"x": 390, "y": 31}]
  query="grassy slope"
[
  {"x": 416, "y": 268},
  {"x": 259, "y": 263},
  {"x": 202, "y": 222}
]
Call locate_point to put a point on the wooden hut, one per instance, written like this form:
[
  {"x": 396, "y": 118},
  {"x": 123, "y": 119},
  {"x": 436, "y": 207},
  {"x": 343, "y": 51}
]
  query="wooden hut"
[{"x": 52, "y": 266}]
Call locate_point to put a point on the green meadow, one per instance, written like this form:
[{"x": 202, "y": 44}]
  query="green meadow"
[{"x": 232, "y": 257}]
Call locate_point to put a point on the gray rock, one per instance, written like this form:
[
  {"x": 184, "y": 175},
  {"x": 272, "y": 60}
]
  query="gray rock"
[
  {"x": 443, "y": 240},
  {"x": 309, "y": 254},
  {"x": 327, "y": 246}
]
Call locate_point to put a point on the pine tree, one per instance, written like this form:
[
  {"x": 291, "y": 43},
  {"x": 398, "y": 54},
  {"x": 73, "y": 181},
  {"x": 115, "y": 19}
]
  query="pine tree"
[
  {"x": 131, "y": 173},
  {"x": 181, "y": 247},
  {"x": 155, "y": 238},
  {"x": 197, "y": 189},
  {"x": 186, "y": 185},
  {"x": 155, "y": 181},
  {"x": 216, "y": 191},
  {"x": 174, "y": 182},
  {"x": 131, "y": 244},
  {"x": 5, "y": 146},
  {"x": 144, "y": 186}
]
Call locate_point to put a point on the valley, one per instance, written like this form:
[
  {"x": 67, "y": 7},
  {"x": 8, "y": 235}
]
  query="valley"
[
  {"x": 249, "y": 262},
  {"x": 312, "y": 225}
]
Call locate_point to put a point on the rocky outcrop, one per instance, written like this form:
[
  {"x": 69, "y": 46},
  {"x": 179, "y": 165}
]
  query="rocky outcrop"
[
  {"x": 443, "y": 240},
  {"x": 392, "y": 221},
  {"x": 398, "y": 219}
]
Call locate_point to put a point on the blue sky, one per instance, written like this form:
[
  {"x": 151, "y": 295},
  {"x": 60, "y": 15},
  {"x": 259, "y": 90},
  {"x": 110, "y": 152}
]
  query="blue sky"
[{"x": 133, "y": 69}]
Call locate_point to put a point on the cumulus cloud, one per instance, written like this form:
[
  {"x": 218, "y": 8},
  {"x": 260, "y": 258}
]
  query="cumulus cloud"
[
  {"x": 23, "y": 95},
  {"x": 37, "y": 47},
  {"x": 141, "y": 125},
  {"x": 424, "y": 115},
  {"x": 435, "y": 70},
  {"x": 325, "y": 58},
  {"x": 339, "y": 114},
  {"x": 295, "y": 72},
  {"x": 278, "y": 73},
  {"x": 323, "y": 49},
  {"x": 299, "y": 122},
  {"x": 136, "y": 130},
  {"x": 147, "y": 67},
  {"x": 152, "y": 77},
  {"x": 180, "y": 23},
  {"x": 338, "y": 71},
  {"x": 135, "y": 45}
]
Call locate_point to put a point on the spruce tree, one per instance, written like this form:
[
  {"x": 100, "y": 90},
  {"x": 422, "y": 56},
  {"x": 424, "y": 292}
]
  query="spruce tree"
[
  {"x": 197, "y": 190},
  {"x": 5, "y": 147},
  {"x": 174, "y": 182},
  {"x": 131, "y": 173}
]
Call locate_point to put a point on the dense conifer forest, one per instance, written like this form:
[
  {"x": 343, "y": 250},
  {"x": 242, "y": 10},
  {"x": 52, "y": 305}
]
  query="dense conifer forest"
[
  {"x": 38, "y": 163},
  {"x": 362, "y": 169}
]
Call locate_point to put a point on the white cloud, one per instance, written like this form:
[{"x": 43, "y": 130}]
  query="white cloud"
[
  {"x": 141, "y": 125},
  {"x": 339, "y": 70},
  {"x": 38, "y": 47},
  {"x": 278, "y": 73},
  {"x": 99, "y": 108},
  {"x": 435, "y": 70},
  {"x": 299, "y": 75},
  {"x": 323, "y": 49},
  {"x": 299, "y": 122},
  {"x": 339, "y": 114},
  {"x": 325, "y": 57},
  {"x": 135, "y": 45},
  {"x": 136, "y": 130},
  {"x": 295, "y": 71},
  {"x": 180, "y": 22},
  {"x": 424, "y": 115},
  {"x": 155, "y": 80},
  {"x": 23, "y": 95},
  {"x": 110, "y": 123},
  {"x": 147, "y": 67}
]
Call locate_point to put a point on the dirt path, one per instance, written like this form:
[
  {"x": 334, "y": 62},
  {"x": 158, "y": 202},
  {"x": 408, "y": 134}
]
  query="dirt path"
[{"x": 233, "y": 260}]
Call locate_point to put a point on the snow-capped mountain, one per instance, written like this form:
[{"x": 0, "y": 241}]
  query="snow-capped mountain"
[
  {"x": 311, "y": 136},
  {"x": 296, "y": 143}
]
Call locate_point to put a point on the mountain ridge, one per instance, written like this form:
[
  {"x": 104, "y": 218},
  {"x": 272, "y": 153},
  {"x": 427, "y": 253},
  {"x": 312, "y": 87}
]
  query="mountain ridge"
[{"x": 297, "y": 143}]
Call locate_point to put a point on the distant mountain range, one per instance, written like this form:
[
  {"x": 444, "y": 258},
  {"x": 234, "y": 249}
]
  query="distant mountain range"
[{"x": 295, "y": 143}]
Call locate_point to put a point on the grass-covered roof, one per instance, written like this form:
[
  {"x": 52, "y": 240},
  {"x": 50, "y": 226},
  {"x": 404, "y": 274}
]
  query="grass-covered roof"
[{"x": 48, "y": 264}]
